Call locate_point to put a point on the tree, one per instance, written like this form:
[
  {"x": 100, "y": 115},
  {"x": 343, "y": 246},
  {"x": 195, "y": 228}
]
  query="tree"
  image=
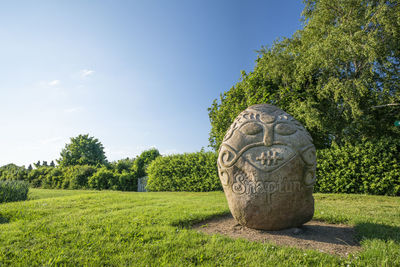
[
  {"x": 123, "y": 165},
  {"x": 37, "y": 165},
  {"x": 13, "y": 172},
  {"x": 328, "y": 75},
  {"x": 82, "y": 150},
  {"x": 52, "y": 164},
  {"x": 145, "y": 158}
]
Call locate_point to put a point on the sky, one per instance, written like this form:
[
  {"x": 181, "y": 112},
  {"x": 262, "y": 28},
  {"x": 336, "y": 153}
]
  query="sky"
[{"x": 133, "y": 74}]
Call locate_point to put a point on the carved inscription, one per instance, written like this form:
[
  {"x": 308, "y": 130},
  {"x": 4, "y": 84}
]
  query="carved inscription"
[{"x": 244, "y": 186}]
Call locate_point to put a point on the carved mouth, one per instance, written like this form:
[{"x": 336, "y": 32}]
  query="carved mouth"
[{"x": 269, "y": 158}]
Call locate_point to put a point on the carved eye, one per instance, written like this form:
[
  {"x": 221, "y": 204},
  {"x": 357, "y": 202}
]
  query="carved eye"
[
  {"x": 251, "y": 128},
  {"x": 285, "y": 129}
]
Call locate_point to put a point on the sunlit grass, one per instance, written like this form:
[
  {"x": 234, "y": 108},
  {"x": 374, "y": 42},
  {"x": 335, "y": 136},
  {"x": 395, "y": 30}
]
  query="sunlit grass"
[{"x": 128, "y": 228}]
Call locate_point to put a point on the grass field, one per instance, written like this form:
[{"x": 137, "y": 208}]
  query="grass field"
[{"x": 94, "y": 228}]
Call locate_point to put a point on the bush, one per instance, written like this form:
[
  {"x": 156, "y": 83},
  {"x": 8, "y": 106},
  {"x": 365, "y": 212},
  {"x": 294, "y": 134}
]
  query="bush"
[
  {"x": 102, "y": 179},
  {"x": 13, "y": 191},
  {"x": 119, "y": 175},
  {"x": 143, "y": 161},
  {"x": 127, "y": 181},
  {"x": 78, "y": 176},
  {"x": 40, "y": 177},
  {"x": 370, "y": 167},
  {"x": 184, "y": 172},
  {"x": 13, "y": 172}
]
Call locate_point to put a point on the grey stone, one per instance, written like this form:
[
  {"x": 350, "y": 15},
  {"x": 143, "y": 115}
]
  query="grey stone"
[{"x": 266, "y": 165}]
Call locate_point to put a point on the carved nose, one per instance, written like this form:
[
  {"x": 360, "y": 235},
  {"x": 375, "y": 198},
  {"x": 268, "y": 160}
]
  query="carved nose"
[{"x": 269, "y": 135}]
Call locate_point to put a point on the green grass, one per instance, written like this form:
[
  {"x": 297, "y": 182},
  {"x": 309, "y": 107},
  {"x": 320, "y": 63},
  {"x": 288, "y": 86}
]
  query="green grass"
[
  {"x": 37, "y": 193},
  {"x": 95, "y": 228}
]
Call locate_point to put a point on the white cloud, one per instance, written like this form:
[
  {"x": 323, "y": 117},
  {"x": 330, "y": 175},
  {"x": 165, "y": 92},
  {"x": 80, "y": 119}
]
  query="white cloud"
[
  {"x": 86, "y": 73},
  {"x": 54, "y": 83},
  {"x": 48, "y": 84}
]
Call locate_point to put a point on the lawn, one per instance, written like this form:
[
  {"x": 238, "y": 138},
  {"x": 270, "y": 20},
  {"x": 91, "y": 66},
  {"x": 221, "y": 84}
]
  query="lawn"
[{"x": 128, "y": 228}]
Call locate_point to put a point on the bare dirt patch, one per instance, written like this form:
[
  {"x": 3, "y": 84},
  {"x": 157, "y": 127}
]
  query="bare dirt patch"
[{"x": 335, "y": 239}]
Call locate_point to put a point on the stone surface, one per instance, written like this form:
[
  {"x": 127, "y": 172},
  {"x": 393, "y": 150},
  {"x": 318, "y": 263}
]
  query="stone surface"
[{"x": 267, "y": 165}]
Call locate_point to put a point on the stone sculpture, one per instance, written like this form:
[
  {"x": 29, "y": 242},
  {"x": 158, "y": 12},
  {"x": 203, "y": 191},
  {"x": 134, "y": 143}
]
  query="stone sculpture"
[{"x": 267, "y": 164}]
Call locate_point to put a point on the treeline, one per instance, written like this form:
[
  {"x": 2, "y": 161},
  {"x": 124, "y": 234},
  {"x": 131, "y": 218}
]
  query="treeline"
[
  {"x": 366, "y": 167},
  {"x": 120, "y": 175}
]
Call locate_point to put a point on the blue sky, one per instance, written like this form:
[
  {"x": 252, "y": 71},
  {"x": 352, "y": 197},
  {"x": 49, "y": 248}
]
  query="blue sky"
[{"x": 134, "y": 74}]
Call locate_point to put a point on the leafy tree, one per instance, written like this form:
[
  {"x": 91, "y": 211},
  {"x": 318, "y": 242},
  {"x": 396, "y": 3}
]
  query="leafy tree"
[
  {"x": 145, "y": 158},
  {"x": 123, "y": 165},
  {"x": 37, "y": 165},
  {"x": 30, "y": 167},
  {"x": 328, "y": 75},
  {"x": 38, "y": 177},
  {"x": 13, "y": 172},
  {"x": 52, "y": 164},
  {"x": 83, "y": 150}
]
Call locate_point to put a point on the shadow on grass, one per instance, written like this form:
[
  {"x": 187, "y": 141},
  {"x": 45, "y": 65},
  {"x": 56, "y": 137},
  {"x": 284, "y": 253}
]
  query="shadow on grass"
[
  {"x": 189, "y": 222},
  {"x": 377, "y": 231},
  {"x": 313, "y": 231},
  {"x": 321, "y": 232}
]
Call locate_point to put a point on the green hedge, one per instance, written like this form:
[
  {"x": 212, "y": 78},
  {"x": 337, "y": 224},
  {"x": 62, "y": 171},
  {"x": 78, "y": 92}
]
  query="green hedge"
[
  {"x": 13, "y": 190},
  {"x": 370, "y": 167},
  {"x": 120, "y": 175},
  {"x": 184, "y": 172}
]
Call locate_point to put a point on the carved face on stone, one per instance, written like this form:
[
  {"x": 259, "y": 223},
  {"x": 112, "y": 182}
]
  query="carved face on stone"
[{"x": 266, "y": 157}]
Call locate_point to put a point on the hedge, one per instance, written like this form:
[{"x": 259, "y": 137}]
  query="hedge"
[
  {"x": 13, "y": 190},
  {"x": 120, "y": 175},
  {"x": 184, "y": 172},
  {"x": 369, "y": 167}
]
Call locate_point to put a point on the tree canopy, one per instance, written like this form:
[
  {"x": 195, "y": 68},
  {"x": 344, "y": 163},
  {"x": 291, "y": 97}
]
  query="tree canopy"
[
  {"x": 328, "y": 75},
  {"x": 82, "y": 150},
  {"x": 143, "y": 160}
]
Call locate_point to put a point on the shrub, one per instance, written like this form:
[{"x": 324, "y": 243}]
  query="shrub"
[
  {"x": 13, "y": 172},
  {"x": 143, "y": 161},
  {"x": 127, "y": 181},
  {"x": 51, "y": 178},
  {"x": 102, "y": 179},
  {"x": 39, "y": 177},
  {"x": 122, "y": 165},
  {"x": 184, "y": 172},
  {"x": 78, "y": 176},
  {"x": 370, "y": 167},
  {"x": 13, "y": 191}
]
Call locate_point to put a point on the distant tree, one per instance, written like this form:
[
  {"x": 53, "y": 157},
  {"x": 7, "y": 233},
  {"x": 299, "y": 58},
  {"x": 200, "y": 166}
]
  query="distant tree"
[
  {"x": 329, "y": 75},
  {"x": 123, "y": 165},
  {"x": 52, "y": 164},
  {"x": 82, "y": 150},
  {"x": 44, "y": 164},
  {"x": 145, "y": 158},
  {"x": 30, "y": 167},
  {"x": 13, "y": 172},
  {"x": 37, "y": 165}
]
